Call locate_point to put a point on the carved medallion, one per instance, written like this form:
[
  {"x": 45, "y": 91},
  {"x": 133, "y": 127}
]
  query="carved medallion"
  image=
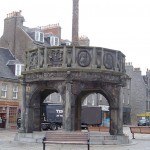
[
  {"x": 108, "y": 61},
  {"x": 83, "y": 58}
]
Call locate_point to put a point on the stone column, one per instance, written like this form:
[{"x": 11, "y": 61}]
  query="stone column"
[
  {"x": 75, "y": 25},
  {"x": 23, "y": 107},
  {"x": 116, "y": 127},
  {"x": 28, "y": 111},
  {"x": 29, "y": 119},
  {"x": 113, "y": 120},
  {"x": 67, "y": 108},
  {"x": 78, "y": 115},
  {"x": 120, "y": 113}
]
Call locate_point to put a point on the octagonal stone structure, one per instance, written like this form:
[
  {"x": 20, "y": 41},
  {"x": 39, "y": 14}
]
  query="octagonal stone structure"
[{"x": 74, "y": 72}]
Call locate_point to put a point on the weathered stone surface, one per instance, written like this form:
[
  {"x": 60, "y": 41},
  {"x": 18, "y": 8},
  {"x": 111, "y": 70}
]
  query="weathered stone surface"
[{"x": 74, "y": 72}]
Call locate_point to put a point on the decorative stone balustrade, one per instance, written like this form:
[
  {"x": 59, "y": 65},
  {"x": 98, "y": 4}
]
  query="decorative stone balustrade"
[{"x": 75, "y": 58}]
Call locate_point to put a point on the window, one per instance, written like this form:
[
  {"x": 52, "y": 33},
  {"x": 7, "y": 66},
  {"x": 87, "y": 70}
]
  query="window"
[
  {"x": 147, "y": 92},
  {"x": 18, "y": 69},
  {"x": 128, "y": 99},
  {"x": 12, "y": 114},
  {"x": 100, "y": 97},
  {"x": 15, "y": 92},
  {"x": 39, "y": 36},
  {"x": 68, "y": 43},
  {"x": 92, "y": 99},
  {"x": 128, "y": 84},
  {"x": 147, "y": 105},
  {"x": 85, "y": 101},
  {"x": 54, "y": 41},
  {"x": 50, "y": 97},
  {"x": 60, "y": 99},
  {"x": 42, "y": 37},
  {"x": 4, "y": 90},
  {"x": 123, "y": 98}
]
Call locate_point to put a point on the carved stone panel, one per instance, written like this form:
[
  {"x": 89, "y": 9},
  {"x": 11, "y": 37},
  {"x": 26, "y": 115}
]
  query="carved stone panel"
[
  {"x": 55, "y": 57},
  {"x": 69, "y": 57},
  {"x": 108, "y": 61},
  {"x": 83, "y": 58},
  {"x": 33, "y": 60},
  {"x": 41, "y": 58},
  {"x": 98, "y": 59}
]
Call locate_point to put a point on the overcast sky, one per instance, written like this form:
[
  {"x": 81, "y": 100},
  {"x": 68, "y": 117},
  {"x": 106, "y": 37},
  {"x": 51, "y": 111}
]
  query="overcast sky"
[{"x": 116, "y": 24}]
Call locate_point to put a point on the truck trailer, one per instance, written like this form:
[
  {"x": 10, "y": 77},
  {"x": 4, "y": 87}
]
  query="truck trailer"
[{"x": 52, "y": 116}]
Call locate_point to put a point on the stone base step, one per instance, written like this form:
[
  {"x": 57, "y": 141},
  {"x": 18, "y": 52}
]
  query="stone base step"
[
  {"x": 105, "y": 142},
  {"x": 35, "y": 137},
  {"x": 107, "y": 139},
  {"x": 95, "y": 138}
]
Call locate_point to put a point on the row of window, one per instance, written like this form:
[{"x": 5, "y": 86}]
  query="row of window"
[
  {"x": 148, "y": 93},
  {"x": 4, "y": 91},
  {"x": 53, "y": 40}
]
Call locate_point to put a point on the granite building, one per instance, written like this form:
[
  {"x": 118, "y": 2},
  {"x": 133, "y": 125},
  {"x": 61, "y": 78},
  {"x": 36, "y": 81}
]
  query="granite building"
[
  {"x": 137, "y": 97},
  {"x": 10, "y": 89}
]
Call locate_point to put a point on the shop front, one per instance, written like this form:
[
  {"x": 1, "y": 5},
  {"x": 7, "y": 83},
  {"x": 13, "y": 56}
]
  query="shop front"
[{"x": 8, "y": 114}]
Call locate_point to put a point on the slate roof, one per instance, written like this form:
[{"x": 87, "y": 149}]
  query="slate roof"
[
  {"x": 30, "y": 32},
  {"x": 5, "y": 71}
]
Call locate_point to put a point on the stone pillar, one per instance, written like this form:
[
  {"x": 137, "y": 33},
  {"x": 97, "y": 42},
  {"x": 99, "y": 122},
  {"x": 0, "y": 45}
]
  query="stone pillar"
[
  {"x": 120, "y": 113},
  {"x": 75, "y": 19},
  {"x": 29, "y": 119},
  {"x": 28, "y": 111},
  {"x": 78, "y": 115},
  {"x": 23, "y": 107},
  {"x": 116, "y": 126},
  {"x": 113, "y": 120},
  {"x": 36, "y": 119},
  {"x": 73, "y": 117},
  {"x": 67, "y": 108}
]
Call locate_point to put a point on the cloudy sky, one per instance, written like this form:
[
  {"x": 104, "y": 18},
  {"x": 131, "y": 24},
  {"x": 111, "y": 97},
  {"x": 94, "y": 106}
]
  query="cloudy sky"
[{"x": 116, "y": 24}]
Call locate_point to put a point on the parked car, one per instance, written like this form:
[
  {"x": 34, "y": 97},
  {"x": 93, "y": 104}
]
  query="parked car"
[{"x": 143, "y": 122}]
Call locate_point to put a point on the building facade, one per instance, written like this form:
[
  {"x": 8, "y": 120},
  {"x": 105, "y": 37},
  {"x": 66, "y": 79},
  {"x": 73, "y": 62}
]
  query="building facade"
[
  {"x": 10, "y": 89},
  {"x": 147, "y": 83},
  {"x": 138, "y": 88}
]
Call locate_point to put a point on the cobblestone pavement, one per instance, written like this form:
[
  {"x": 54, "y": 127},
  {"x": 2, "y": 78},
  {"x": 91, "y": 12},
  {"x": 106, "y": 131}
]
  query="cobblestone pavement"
[{"x": 7, "y": 142}]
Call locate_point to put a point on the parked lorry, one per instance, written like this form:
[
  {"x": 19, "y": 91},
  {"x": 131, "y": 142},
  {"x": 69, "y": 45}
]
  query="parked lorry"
[
  {"x": 52, "y": 116},
  {"x": 91, "y": 116}
]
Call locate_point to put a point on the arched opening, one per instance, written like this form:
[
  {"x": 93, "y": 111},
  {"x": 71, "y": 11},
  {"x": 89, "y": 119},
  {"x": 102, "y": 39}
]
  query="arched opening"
[
  {"x": 98, "y": 100},
  {"x": 91, "y": 98},
  {"x": 33, "y": 112},
  {"x": 52, "y": 112}
]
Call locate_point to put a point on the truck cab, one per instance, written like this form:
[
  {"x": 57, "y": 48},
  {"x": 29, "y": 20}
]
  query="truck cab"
[{"x": 51, "y": 116}]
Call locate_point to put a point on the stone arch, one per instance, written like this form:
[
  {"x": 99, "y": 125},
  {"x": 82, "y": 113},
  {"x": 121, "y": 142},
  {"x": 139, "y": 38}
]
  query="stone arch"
[
  {"x": 81, "y": 96},
  {"x": 34, "y": 100}
]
